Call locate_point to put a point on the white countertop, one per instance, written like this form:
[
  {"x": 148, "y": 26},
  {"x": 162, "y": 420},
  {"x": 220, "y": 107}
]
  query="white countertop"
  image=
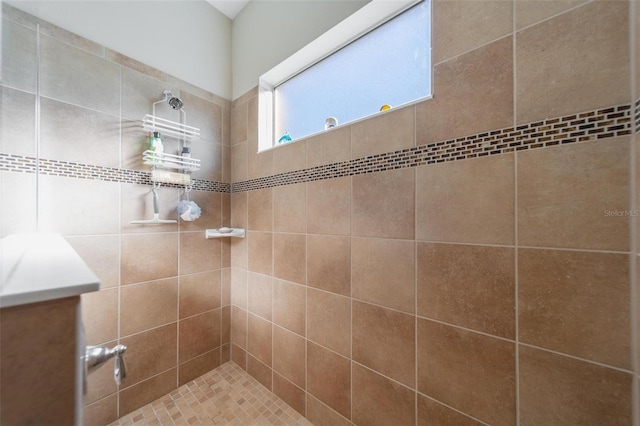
[{"x": 41, "y": 267}]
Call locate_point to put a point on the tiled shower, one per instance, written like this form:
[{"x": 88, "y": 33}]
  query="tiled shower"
[{"x": 469, "y": 259}]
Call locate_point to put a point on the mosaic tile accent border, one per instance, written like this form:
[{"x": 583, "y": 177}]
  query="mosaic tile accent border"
[
  {"x": 19, "y": 163},
  {"x": 637, "y": 116},
  {"x": 582, "y": 127}
]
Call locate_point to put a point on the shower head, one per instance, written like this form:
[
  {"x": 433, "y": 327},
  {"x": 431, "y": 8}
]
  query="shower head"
[{"x": 173, "y": 101}]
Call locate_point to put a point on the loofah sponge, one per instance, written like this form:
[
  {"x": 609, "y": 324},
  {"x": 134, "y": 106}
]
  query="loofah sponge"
[{"x": 188, "y": 210}]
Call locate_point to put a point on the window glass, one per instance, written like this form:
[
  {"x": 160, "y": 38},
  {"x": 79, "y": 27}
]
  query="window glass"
[{"x": 390, "y": 65}]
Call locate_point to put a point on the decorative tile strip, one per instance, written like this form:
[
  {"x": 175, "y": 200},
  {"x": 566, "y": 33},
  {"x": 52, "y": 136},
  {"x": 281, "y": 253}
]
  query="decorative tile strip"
[
  {"x": 19, "y": 163},
  {"x": 637, "y": 116},
  {"x": 582, "y": 127}
]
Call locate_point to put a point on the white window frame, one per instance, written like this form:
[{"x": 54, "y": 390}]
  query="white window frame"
[{"x": 365, "y": 19}]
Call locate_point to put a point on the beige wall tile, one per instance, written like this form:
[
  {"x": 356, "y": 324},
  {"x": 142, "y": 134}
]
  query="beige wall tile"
[
  {"x": 321, "y": 415},
  {"x": 150, "y": 353},
  {"x": 260, "y": 210},
  {"x": 329, "y": 378},
  {"x": 18, "y": 118},
  {"x": 384, "y": 340},
  {"x": 198, "y": 334},
  {"x": 289, "y": 393},
  {"x": 147, "y": 305},
  {"x": 205, "y": 115},
  {"x": 102, "y": 255},
  {"x": 329, "y": 321},
  {"x": 239, "y": 253},
  {"x": 225, "y": 324},
  {"x": 198, "y": 366},
  {"x": 260, "y": 294},
  {"x": 460, "y": 26},
  {"x": 147, "y": 257},
  {"x": 467, "y": 201},
  {"x": 225, "y": 353},
  {"x": 576, "y": 303},
  {"x": 225, "y": 286},
  {"x": 385, "y": 132},
  {"x": 69, "y": 74},
  {"x": 384, "y": 204},
  {"x": 70, "y": 206},
  {"x": 239, "y": 288},
  {"x": 239, "y": 356},
  {"x": 577, "y": 61},
  {"x": 329, "y": 206},
  {"x": 239, "y": 122},
  {"x": 289, "y": 308},
  {"x": 329, "y": 263},
  {"x": 199, "y": 293},
  {"x": 260, "y": 372},
  {"x": 333, "y": 146},
  {"x": 239, "y": 162},
  {"x": 260, "y": 252},
  {"x": 529, "y": 12},
  {"x": 198, "y": 254},
  {"x": 259, "y": 339},
  {"x": 144, "y": 392},
  {"x": 239, "y": 209},
  {"x": 238, "y": 328},
  {"x": 558, "y": 390},
  {"x": 431, "y": 413},
  {"x": 380, "y": 401},
  {"x": 289, "y": 157},
  {"x": 467, "y": 371},
  {"x": 226, "y": 164},
  {"x": 65, "y": 128},
  {"x": 100, "y": 316},
  {"x": 19, "y": 56},
  {"x": 383, "y": 272},
  {"x": 469, "y": 286},
  {"x": 260, "y": 164},
  {"x": 290, "y": 257},
  {"x": 289, "y": 356},
  {"x": 140, "y": 91},
  {"x": 564, "y": 195},
  {"x": 471, "y": 94},
  {"x": 19, "y": 216},
  {"x": 101, "y": 412},
  {"x": 289, "y": 208}
]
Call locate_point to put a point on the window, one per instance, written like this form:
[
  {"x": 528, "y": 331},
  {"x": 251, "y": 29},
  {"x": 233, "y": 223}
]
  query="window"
[{"x": 387, "y": 66}]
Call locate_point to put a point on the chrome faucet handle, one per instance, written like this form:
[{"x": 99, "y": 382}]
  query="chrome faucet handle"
[
  {"x": 95, "y": 356},
  {"x": 119, "y": 368}
]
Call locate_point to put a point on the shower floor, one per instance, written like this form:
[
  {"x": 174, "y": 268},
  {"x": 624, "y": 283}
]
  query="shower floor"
[{"x": 224, "y": 396}]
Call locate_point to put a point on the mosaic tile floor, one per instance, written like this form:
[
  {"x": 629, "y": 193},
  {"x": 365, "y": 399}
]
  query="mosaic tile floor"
[{"x": 224, "y": 396}]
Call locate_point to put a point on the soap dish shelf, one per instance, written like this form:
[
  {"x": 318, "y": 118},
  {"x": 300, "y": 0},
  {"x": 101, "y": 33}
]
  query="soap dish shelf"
[
  {"x": 166, "y": 127},
  {"x": 233, "y": 232},
  {"x": 169, "y": 161}
]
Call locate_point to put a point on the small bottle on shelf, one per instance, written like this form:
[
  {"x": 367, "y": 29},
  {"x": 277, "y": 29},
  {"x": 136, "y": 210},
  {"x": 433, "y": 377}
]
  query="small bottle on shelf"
[{"x": 157, "y": 146}]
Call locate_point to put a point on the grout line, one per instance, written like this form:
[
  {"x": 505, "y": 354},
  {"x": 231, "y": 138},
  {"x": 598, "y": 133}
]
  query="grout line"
[
  {"x": 515, "y": 221},
  {"x": 554, "y": 16},
  {"x": 635, "y": 225},
  {"x": 452, "y": 408},
  {"x": 577, "y": 358},
  {"x": 480, "y": 46}
]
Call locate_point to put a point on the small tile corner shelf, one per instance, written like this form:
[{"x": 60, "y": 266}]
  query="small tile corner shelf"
[{"x": 224, "y": 232}]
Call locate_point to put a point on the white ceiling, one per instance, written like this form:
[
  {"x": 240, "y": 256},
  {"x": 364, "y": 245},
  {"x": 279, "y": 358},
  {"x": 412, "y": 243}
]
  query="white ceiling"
[{"x": 231, "y": 8}]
